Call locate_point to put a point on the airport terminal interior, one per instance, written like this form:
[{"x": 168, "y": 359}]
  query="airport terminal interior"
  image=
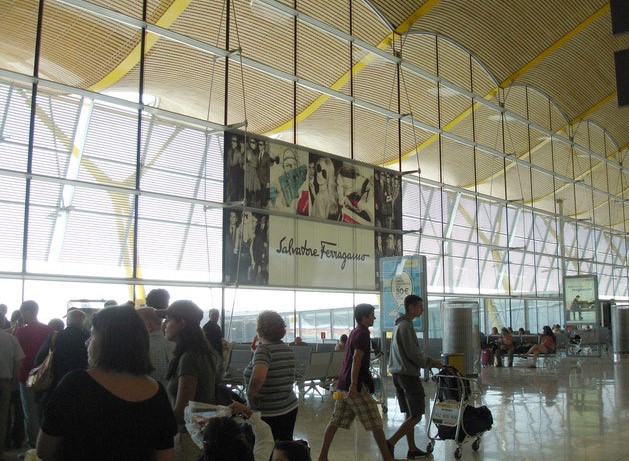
[
  {"x": 286, "y": 154},
  {"x": 578, "y": 410}
]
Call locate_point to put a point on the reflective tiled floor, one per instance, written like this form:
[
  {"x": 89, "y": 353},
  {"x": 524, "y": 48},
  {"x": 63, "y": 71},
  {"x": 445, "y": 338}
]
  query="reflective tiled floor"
[{"x": 574, "y": 409}]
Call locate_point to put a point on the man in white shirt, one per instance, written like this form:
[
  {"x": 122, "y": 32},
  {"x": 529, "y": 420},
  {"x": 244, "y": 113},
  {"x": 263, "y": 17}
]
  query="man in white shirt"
[{"x": 160, "y": 349}]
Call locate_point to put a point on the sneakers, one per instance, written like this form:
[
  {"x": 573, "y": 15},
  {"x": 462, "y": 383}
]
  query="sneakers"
[
  {"x": 411, "y": 454},
  {"x": 416, "y": 454}
]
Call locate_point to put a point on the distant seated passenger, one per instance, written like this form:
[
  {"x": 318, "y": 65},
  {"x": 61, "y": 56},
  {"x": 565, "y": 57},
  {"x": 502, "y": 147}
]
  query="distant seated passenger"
[
  {"x": 298, "y": 342},
  {"x": 113, "y": 410},
  {"x": 547, "y": 346},
  {"x": 494, "y": 331},
  {"x": 340, "y": 346},
  {"x": 504, "y": 345}
]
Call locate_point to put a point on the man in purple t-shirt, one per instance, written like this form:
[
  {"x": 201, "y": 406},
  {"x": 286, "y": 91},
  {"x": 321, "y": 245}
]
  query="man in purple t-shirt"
[
  {"x": 31, "y": 337},
  {"x": 357, "y": 385}
]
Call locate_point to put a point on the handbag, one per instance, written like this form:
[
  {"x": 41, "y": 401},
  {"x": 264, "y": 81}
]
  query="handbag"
[{"x": 40, "y": 378}]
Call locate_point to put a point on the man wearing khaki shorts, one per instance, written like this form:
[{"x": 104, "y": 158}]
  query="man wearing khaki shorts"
[
  {"x": 356, "y": 385},
  {"x": 405, "y": 362}
]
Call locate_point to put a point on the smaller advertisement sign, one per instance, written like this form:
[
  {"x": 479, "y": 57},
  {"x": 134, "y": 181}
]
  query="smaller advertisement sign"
[
  {"x": 581, "y": 299},
  {"x": 400, "y": 277}
]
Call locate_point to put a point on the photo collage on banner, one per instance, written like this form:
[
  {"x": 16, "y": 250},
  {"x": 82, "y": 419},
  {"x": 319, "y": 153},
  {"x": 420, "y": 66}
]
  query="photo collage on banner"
[{"x": 263, "y": 174}]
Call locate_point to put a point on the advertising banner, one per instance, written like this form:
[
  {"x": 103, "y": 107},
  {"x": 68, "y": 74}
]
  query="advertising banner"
[
  {"x": 581, "y": 299},
  {"x": 400, "y": 277},
  {"x": 276, "y": 183}
]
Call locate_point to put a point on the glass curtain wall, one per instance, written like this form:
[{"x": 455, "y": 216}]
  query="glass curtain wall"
[{"x": 111, "y": 185}]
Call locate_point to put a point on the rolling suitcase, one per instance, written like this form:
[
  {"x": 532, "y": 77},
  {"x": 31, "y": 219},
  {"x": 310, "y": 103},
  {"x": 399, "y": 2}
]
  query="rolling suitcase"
[{"x": 485, "y": 357}]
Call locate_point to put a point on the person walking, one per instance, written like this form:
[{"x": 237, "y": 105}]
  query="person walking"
[
  {"x": 405, "y": 361},
  {"x": 357, "y": 383}
]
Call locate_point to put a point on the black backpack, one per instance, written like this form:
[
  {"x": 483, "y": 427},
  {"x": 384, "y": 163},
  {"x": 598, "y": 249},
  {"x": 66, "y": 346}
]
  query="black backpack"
[
  {"x": 475, "y": 422},
  {"x": 450, "y": 385}
]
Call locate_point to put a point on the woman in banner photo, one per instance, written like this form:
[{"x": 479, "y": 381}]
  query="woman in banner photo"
[
  {"x": 231, "y": 245},
  {"x": 252, "y": 180},
  {"x": 326, "y": 203},
  {"x": 264, "y": 173},
  {"x": 260, "y": 251},
  {"x": 235, "y": 170},
  {"x": 382, "y": 207},
  {"x": 246, "y": 232},
  {"x": 396, "y": 200}
]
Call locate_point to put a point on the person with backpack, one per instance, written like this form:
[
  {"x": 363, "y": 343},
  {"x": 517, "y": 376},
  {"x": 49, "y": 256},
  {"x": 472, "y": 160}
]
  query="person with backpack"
[{"x": 405, "y": 361}]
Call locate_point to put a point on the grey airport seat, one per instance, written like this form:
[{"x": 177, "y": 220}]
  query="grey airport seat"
[
  {"x": 335, "y": 364},
  {"x": 325, "y": 347},
  {"x": 302, "y": 357},
  {"x": 316, "y": 372},
  {"x": 238, "y": 360}
]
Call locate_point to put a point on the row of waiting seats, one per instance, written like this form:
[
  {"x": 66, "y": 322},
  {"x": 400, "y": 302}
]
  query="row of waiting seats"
[{"x": 313, "y": 369}]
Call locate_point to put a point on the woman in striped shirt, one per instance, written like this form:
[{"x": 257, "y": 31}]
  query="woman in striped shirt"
[{"x": 271, "y": 376}]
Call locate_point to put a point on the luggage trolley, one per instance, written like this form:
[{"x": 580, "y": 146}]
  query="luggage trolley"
[{"x": 453, "y": 415}]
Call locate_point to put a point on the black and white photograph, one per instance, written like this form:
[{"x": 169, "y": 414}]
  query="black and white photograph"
[
  {"x": 385, "y": 245},
  {"x": 234, "y": 171},
  {"x": 246, "y": 247},
  {"x": 259, "y": 269},
  {"x": 325, "y": 203},
  {"x": 356, "y": 194},
  {"x": 388, "y": 200}
]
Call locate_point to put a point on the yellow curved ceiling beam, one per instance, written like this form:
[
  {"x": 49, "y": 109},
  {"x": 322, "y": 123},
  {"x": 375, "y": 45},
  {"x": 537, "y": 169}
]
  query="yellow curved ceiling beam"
[
  {"x": 574, "y": 122},
  {"x": 551, "y": 49},
  {"x": 509, "y": 80},
  {"x": 594, "y": 108},
  {"x": 357, "y": 67},
  {"x": 133, "y": 58},
  {"x": 541, "y": 144}
]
